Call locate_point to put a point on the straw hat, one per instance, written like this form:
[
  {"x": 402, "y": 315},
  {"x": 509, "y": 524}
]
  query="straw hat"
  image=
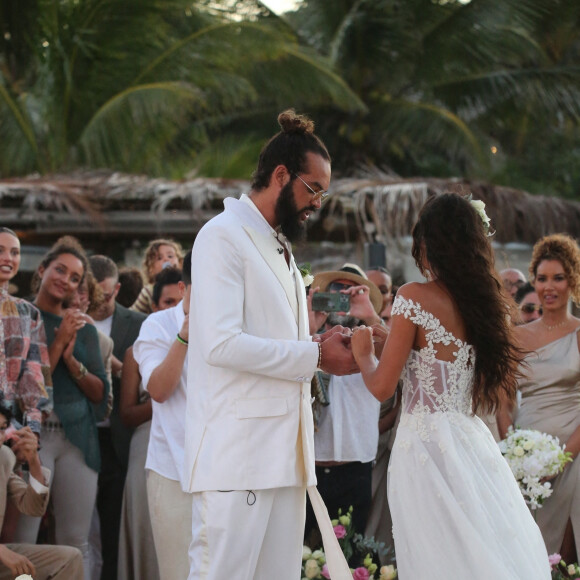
[{"x": 355, "y": 274}]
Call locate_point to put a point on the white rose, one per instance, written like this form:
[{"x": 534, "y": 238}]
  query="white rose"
[
  {"x": 306, "y": 552},
  {"x": 311, "y": 569},
  {"x": 24, "y": 577},
  {"x": 308, "y": 279},
  {"x": 518, "y": 451},
  {"x": 319, "y": 555},
  {"x": 528, "y": 445},
  {"x": 571, "y": 569},
  {"x": 388, "y": 572}
]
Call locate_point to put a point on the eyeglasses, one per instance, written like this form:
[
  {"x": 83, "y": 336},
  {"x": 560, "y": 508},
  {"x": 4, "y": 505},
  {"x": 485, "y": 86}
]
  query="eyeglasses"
[
  {"x": 529, "y": 307},
  {"x": 322, "y": 194},
  {"x": 338, "y": 286}
]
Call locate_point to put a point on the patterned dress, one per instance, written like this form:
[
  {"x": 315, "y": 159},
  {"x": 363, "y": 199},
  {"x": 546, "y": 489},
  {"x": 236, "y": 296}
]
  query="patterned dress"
[
  {"x": 456, "y": 508},
  {"x": 25, "y": 380}
]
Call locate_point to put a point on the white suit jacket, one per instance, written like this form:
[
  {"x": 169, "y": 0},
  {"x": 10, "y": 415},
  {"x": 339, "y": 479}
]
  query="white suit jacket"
[{"x": 249, "y": 417}]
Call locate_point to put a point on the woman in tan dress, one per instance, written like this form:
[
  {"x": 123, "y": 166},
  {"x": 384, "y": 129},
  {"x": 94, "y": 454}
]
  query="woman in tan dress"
[{"x": 551, "y": 386}]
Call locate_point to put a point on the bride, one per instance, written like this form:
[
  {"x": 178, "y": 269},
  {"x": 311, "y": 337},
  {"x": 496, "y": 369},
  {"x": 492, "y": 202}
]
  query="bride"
[{"x": 456, "y": 508}]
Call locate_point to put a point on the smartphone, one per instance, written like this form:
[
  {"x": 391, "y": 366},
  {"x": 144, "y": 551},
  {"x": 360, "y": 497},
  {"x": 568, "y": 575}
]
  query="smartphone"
[{"x": 331, "y": 302}]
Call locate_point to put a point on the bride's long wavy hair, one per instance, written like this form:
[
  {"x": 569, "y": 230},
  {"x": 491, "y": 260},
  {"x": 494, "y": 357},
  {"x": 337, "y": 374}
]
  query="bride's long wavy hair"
[{"x": 450, "y": 237}]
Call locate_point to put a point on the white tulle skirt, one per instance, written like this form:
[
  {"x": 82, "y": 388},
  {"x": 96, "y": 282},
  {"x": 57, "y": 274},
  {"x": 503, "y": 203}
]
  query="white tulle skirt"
[{"x": 456, "y": 508}]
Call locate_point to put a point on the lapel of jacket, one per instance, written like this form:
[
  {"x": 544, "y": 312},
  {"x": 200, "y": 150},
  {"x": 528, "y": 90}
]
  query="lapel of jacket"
[
  {"x": 268, "y": 248},
  {"x": 119, "y": 329},
  {"x": 303, "y": 325}
]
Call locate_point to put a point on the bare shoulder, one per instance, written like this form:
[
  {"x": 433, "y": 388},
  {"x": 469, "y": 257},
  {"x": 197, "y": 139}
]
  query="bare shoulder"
[{"x": 412, "y": 291}]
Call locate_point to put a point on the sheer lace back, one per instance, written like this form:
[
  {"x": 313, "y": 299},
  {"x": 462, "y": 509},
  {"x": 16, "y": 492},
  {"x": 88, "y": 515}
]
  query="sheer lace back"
[{"x": 432, "y": 385}]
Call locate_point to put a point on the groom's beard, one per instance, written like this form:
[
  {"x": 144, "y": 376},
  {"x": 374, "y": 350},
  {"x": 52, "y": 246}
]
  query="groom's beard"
[{"x": 288, "y": 215}]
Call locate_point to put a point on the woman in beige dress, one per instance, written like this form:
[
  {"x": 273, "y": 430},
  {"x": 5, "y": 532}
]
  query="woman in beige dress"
[{"x": 550, "y": 387}]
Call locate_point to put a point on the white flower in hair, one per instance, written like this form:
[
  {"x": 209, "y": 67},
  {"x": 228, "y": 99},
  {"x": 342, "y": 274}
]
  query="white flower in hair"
[{"x": 479, "y": 207}]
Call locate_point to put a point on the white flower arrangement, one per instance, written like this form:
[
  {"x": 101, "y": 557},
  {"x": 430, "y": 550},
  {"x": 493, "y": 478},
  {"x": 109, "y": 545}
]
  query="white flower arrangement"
[
  {"x": 532, "y": 457},
  {"x": 479, "y": 207}
]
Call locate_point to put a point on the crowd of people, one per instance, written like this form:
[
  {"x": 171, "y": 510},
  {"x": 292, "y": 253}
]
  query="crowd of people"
[{"x": 160, "y": 409}]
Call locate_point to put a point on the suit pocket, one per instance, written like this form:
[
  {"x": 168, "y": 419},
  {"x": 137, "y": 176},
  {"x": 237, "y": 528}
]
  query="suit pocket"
[{"x": 255, "y": 408}]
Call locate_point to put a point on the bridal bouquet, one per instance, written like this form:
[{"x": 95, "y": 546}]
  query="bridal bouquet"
[{"x": 533, "y": 456}]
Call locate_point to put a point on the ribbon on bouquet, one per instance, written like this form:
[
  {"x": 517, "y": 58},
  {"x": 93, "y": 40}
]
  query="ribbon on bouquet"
[{"x": 337, "y": 565}]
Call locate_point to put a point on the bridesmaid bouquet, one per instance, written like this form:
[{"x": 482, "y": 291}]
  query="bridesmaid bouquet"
[{"x": 534, "y": 456}]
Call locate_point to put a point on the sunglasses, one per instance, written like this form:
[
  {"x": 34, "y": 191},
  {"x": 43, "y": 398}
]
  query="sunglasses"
[
  {"x": 322, "y": 194},
  {"x": 528, "y": 308},
  {"x": 338, "y": 286}
]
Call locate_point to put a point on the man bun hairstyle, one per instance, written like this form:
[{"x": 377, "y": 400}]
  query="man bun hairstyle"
[{"x": 289, "y": 147}]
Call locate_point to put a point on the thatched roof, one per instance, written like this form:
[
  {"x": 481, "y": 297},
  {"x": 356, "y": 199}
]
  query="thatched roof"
[{"x": 375, "y": 207}]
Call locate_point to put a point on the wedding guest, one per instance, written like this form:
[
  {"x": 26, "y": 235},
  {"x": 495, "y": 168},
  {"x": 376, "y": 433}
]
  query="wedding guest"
[
  {"x": 137, "y": 557},
  {"x": 69, "y": 436},
  {"x": 25, "y": 381},
  {"x": 123, "y": 326},
  {"x": 550, "y": 387},
  {"x": 345, "y": 442},
  {"x": 381, "y": 278},
  {"x": 161, "y": 351},
  {"x": 44, "y": 562},
  {"x": 528, "y": 303},
  {"x": 512, "y": 279},
  {"x": 131, "y": 284},
  {"x": 454, "y": 501},
  {"x": 159, "y": 254}
]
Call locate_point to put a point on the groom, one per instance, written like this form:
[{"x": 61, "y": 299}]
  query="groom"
[{"x": 249, "y": 454}]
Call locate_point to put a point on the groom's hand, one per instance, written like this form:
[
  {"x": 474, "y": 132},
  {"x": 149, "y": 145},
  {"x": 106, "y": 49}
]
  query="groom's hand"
[{"x": 337, "y": 356}]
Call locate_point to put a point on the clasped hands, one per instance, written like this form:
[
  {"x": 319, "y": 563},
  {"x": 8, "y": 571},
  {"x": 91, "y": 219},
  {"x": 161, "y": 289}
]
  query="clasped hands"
[{"x": 341, "y": 347}]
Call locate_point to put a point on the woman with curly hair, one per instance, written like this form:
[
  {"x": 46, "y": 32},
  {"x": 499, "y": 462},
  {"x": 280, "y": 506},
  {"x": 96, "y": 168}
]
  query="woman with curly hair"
[
  {"x": 159, "y": 254},
  {"x": 551, "y": 386},
  {"x": 70, "y": 445},
  {"x": 456, "y": 507}
]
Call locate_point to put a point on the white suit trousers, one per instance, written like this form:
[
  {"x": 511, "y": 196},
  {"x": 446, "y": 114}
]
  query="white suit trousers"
[{"x": 247, "y": 535}]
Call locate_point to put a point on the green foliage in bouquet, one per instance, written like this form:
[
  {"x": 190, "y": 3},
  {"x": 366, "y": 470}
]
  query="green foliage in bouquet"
[
  {"x": 356, "y": 548},
  {"x": 561, "y": 570}
]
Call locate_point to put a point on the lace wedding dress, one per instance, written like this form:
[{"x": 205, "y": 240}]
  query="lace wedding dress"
[{"x": 456, "y": 508}]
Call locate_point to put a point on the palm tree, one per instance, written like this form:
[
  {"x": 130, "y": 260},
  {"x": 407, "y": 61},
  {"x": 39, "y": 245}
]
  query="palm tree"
[
  {"x": 447, "y": 84},
  {"x": 136, "y": 85}
]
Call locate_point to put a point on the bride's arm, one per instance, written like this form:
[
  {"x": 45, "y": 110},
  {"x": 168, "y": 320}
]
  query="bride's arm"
[{"x": 381, "y": 378}]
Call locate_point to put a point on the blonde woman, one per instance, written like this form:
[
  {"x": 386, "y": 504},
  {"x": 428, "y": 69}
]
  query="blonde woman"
[{"x": 159, "y": 254}]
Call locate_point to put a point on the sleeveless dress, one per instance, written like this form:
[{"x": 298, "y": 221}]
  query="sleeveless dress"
[
  {"x": 551, "y": 403},
  {"x": 456, "y": 507}
]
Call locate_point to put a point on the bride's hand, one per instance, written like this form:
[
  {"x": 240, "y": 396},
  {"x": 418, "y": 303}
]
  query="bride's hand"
[{"x": 362, "y": 342}]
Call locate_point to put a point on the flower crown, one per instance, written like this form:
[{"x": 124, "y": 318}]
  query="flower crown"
[{"x": 479, "y": 207}]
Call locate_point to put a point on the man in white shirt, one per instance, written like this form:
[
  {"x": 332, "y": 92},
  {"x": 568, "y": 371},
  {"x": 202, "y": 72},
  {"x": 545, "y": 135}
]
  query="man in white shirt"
[
  {"x": 161, "y": 351},
  {"x": 249, "y": 432},
  {"x": 345, "y": 444}
]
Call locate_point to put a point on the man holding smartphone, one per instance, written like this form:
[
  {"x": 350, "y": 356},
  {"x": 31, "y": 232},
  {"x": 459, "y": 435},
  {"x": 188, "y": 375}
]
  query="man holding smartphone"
[
  {"x": 249, "y": 432},
  {"x": 346, "y": 440}
]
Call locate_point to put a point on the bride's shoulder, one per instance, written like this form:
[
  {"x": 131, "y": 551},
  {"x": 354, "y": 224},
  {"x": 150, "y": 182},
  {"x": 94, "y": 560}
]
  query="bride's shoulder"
[{"x": 411, "y": 297}]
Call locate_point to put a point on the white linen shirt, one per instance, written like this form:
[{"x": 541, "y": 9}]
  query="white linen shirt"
[
  {"x": 167, "y": 439},
  {"x": 348, "y": 428}
]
